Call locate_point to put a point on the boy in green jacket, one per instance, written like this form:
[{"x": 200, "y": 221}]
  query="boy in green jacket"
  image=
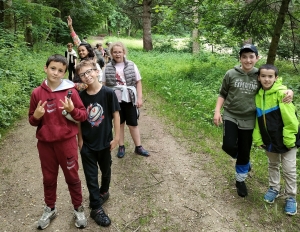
[{"x": 275, "y": 131}]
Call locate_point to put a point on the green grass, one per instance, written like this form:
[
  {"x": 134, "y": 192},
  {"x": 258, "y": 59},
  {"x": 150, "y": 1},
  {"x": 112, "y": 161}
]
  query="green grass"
[{"x": 132, "y": 43}]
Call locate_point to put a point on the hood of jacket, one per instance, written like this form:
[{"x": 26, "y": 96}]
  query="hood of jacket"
[
  {"x": 239, "y": 69},
  {"x": 65, "y": 84},
  {"x": 275, "y": 88}
]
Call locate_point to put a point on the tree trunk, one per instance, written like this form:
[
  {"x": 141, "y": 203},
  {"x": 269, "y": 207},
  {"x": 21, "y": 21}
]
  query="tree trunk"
[
  {"x": 1, "y": 11},
  {"x": 195, "y": 33},
  {"x": 8, "y": 16},
  {"x": 196, "y": 45},
  {"x": 277, "y": 31},
  {"x": 128, "y": 31},
  {"x": 28, "y": 33},
  {"x": 109, "y": 27},
  {"x": 28, "y": 30},
  {"x": 147, "y": 37}
]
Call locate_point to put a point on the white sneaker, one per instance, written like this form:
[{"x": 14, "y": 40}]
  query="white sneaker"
[
  {"x": 80, "y": 219},
  {"x": 47, "y": 216}
]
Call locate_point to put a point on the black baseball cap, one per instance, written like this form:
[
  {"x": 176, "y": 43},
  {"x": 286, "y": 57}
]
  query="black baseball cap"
[{"x": 249, "y": 47}]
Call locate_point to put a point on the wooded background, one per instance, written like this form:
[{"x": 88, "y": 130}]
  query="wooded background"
[{"x": 271, "y": 24}]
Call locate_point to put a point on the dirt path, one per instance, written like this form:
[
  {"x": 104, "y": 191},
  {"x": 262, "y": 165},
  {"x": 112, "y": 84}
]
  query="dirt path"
[{"x": 169, "y": 191}]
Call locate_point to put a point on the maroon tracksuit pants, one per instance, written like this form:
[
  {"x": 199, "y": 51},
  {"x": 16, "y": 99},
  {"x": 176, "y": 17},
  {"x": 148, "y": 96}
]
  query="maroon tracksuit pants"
[{"x": 63, "y": 154}]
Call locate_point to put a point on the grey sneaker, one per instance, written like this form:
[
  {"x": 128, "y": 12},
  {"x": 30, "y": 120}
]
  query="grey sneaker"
[
  {"x": 47, "y": 216},
  {"x": 80, "y": 219}
]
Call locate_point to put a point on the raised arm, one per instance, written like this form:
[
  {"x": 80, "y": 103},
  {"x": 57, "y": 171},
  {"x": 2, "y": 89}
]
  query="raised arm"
[{"x": 75, "y": 37}]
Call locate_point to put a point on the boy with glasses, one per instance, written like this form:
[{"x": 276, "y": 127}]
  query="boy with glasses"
[{"x": 95, "y": 137}]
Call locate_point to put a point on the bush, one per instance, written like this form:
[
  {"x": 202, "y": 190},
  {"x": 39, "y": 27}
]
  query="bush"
[{"x": 18, "y": 78}]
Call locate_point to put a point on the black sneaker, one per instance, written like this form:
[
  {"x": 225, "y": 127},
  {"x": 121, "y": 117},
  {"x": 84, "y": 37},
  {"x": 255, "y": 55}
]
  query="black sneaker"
[
  {"x": 104, "y": 197},
  {"x": 121, "y": 152},
  {"x": 241, "y": 188},
  {"x": 100, "y": 217},
  {"x": 141, "y": 151}
]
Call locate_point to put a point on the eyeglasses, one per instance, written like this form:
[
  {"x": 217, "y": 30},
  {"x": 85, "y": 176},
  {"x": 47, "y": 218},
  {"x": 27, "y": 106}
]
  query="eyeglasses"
[
  {"x": 86, "y": 73},
  {"x": 116, "y": 53}
]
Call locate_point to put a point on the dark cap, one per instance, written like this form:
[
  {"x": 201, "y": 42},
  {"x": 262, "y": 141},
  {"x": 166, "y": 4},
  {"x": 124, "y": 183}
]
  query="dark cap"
[{"x": 249, "y": 48}]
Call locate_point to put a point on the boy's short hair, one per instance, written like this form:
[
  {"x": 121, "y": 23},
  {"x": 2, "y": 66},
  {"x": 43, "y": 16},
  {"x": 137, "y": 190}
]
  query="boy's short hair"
[
  {"x": 248, "y": 48},
  {"x": 268, "y": 66},
  {"x": 57, "y": 58},
  {"x": 69, "y": 45},
  {"x": 85, "y": 63}
]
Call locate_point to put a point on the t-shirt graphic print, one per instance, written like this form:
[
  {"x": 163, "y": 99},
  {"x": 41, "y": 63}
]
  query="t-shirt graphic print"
[{"x": 95, "y": 114}]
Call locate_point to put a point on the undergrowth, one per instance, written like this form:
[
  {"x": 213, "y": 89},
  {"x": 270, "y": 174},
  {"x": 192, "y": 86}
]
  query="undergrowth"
[{"x": 21, "y": 70}]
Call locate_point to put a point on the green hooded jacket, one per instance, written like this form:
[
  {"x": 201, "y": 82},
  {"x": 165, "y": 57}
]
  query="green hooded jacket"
[
  {"x": 238, "y": 90},
  {"x": 276, "y": 123}
]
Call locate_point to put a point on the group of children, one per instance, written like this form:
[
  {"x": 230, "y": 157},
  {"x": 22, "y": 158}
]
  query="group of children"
[
  {"x": 107, "y": 104},
  {"x": 258, "y": 108},
  {"x": 68, "y": 118}
]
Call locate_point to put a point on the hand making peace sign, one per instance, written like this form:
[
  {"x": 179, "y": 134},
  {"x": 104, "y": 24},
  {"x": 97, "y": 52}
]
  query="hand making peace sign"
[{"x": 40, "y": 110}]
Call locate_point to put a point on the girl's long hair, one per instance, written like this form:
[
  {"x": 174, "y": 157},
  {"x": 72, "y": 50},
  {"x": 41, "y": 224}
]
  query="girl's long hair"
[
  {"x": 91, "y": 56},
  {"x": 91, "y": 53}
]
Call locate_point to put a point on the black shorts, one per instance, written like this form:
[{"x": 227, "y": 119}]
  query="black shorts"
[{"x": 129, "y": 113}]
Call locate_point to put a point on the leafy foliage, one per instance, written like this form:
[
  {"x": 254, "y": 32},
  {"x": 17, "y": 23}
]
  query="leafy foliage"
[
  {"x": 42, "y": 17},
  {"x": 18, "y": 78}
]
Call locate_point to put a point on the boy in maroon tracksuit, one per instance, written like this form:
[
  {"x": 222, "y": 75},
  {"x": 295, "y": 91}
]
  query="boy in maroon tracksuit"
[{"x": 57, "y": 143}]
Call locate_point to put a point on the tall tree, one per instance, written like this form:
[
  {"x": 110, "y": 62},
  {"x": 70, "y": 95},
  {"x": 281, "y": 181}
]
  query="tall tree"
[
  {"x": 263, "y": 20},
  {"x": 145, "y": 10},
  {"x": 1, "y": 11},
  {"x": 8, "y": 15},
  {"x": 195, "y": 32},
  {"x": 28, "y": 30},
  {"x": 147, "y": 37},
  {"x": 277, "y": 31}
]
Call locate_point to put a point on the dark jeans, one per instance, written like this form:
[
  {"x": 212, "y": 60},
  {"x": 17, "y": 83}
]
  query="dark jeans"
[
  {"x": 90, "y": 161},
  {"x": 236, "y": 142}
]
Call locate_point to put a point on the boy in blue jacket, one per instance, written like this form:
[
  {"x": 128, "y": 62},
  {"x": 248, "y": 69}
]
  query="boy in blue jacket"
[{"x": 275, "y": 131}]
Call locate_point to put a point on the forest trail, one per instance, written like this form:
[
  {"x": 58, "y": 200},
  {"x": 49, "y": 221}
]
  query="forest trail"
[
  {"x": 168, "y": 191},
  {"x": 171, "y": 190}
]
